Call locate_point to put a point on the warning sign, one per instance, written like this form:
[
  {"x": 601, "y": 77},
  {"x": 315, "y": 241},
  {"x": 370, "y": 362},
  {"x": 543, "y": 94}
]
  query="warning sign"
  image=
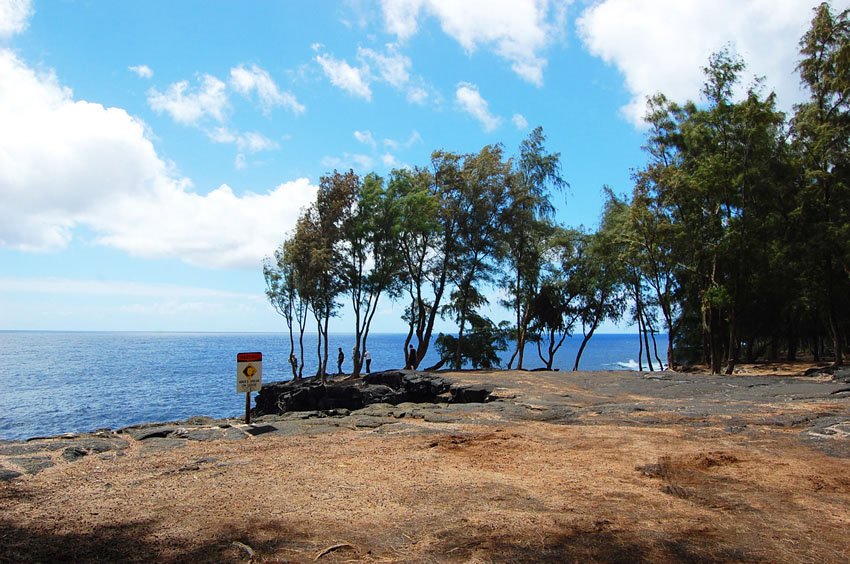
[{"x": 249, "y": 372}]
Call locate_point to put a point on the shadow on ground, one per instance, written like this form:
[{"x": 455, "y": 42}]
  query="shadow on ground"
[
  {"x": 594, "y": 544},
  {"x": 139, "y": 541}
]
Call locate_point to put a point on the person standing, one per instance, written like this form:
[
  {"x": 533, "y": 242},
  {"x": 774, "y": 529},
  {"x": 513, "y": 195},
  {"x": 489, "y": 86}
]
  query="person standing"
[
  {"x": 293, "y": 361},
  {"x": 340, "y": 358},
  {"x": 355, "y": 355},
  {"x": 367, "y": 358},
  {"x": 411, "y": 358}
]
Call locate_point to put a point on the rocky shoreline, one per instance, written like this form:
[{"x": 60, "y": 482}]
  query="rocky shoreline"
[
  {"x": 287, "y": 408},
  {"x": 306, "y": 407}
]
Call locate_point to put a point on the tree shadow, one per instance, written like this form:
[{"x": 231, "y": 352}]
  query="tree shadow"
[
  {"x": 143, "y": 541},
  {"x": 595, "y": 545}
]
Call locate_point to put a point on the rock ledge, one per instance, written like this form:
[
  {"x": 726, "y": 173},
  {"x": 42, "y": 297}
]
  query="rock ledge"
[{"x": 390, "y": 387}]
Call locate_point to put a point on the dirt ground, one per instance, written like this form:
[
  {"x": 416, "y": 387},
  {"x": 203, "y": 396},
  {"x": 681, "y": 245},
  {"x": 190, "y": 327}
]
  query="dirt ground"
[{"x": 587, "y": 467}]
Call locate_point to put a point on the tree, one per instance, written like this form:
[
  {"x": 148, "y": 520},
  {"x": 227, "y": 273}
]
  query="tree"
[
  {"x": 600, "y": 274},
  {"x": 425, "y": 240},
  {"x": 528, "y": 224},
  {"x": 554, "y": 309},
  {"x": 282, "y": 292},
  {"x": 475, "y": 195},
  {"x": 482, "y": 345},
  {"x": 654, "y": 232},
  {"x": 318, "y": 249},
  {"x": 702, "y": 211},
  {"x": 370, "y": 257},
  {"x": 821, "y": 129}
]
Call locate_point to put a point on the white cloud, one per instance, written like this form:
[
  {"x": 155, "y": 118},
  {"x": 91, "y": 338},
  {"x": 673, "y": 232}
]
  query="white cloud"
[
  {"x": 392, "y": 67},
  {"x": 189, "y": 107},
  {"x": 14, "y": 16},
  {"x": 344, "y": 76},
  {"x": 143, "y": 71},
  {"x": 218, "y": 229},
  {"x": 471, "y": 102},
  {"x": 401, "y": 17},
  {"x": 222, "y": 135},
  {"x": 365, "y": 137},
  {"x": 66, "y": 163},
  {"x": 390, "y": 161},
  {"x": 417, "y": 95},
  {"x": 253, "y": 142},
  {"x": 661, "y": 45},
  {"x": 250, "y": 141},
  {"x": 517, "y": 30},
  {"x": 246, "y": 80},
  {"x": 411, "y": 141},
  {"x": 239, "y": 162},
  {"x": 520, "y": 122},
  {"x": 389, "y": 66},
  {"x": 316, "y": 47},
  {"x": 356, "y": 161}
]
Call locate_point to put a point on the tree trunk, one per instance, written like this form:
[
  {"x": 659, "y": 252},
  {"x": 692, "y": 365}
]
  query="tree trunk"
[
  {"x": 325, "y": 339},
  {"x": 550, "y": 355},
  {"x": 458, "y": 357},
  {"x": 319, "y": 371},
  {"x": 837, "y": 342},
  {"x": 646, "y": 344},
  {"x": 520, "y": 333},
  {"x": 716, "y": 347},
  {"x": 773, "y": 349},
  {"x": 301, "y": 351},
  {"x": 640, "y": 350},
  {"x": 424, "y": 337},
  {"x": 792, "y": 345},
  {"x": 733, "y": 348},
  {"x": 291, "y": 337},
  {"x": 511, "y": 361},
  {"x": 461, "y": 325},
  {"x": 581, "y": 347},
  {"x": 520, "y": 348},
  {"x": 655, "y": 350},
  {"x": 639, "y": 317},
  {"x": 414, "y": 318}
]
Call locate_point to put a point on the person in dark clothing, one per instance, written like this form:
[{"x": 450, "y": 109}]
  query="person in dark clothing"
[
  {"x": 411, "y": 358},
  {"x": 293, "y": 361},
  {"x": 367, "y": 358},
  {"x": 340, "y": 358}
]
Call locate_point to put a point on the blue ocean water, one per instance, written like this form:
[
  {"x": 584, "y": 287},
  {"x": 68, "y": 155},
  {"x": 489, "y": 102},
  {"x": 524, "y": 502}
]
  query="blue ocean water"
[{"x": 60, "y": 382}]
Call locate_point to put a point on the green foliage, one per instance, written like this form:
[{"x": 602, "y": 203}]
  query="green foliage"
[
  {"x": 821, "y": 128},
  {"x": 735, "y": 234},
  {"x": 481, "y": 346},
  {"x": 528, "y": 226}
]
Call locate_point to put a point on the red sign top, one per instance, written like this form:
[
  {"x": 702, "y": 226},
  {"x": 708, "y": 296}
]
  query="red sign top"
[{"x": 249, "y": 357}]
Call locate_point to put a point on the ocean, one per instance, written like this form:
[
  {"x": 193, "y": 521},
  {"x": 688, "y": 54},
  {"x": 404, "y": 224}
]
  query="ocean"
[{"x": 63, "y": 382}]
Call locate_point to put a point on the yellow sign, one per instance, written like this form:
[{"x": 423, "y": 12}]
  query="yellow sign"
[{"x": 249, "y": 376}]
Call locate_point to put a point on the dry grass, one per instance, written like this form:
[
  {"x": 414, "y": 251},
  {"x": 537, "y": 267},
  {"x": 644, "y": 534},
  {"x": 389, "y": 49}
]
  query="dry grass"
[
  {"x": 525, "y": 493},
  {"x": 509, "y": 491}
]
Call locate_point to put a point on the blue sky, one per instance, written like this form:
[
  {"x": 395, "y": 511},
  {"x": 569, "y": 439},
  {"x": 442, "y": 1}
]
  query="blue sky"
[{"x": 152, "y": 152}]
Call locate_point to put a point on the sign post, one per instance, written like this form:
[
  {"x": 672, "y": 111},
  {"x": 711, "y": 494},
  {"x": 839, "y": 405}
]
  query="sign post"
[{"x": 249, "y": 377}]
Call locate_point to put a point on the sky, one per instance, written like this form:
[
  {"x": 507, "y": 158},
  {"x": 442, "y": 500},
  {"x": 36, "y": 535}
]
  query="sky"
[{"x": 153, "y": 152}]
